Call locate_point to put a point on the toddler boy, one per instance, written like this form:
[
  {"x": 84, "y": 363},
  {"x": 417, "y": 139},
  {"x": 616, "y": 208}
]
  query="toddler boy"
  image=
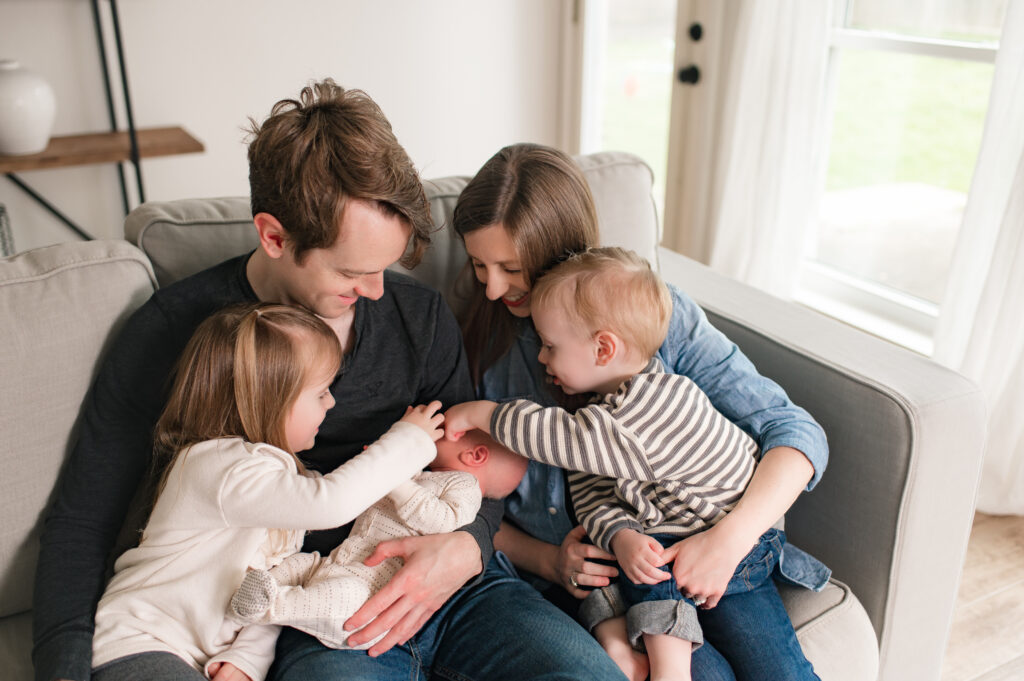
[{"x": 653, "y": 461}]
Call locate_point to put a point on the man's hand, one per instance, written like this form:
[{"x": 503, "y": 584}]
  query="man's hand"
[
  {"x": 705, "y": 562},
  {"x": 436, "y": 566},
  {"x": 225, "y": 671},
  {"x": 639, "y": 557}
]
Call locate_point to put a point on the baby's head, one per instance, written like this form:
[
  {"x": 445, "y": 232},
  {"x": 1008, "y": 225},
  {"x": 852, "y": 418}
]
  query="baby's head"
[
  {"x": 497, "y": 468},
  {"x": 596, "y": 306}
]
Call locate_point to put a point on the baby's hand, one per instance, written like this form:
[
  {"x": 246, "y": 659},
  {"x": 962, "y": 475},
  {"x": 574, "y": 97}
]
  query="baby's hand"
[
  {"x": 427, "y": 418},
  {"x": 639, "y": 557}
]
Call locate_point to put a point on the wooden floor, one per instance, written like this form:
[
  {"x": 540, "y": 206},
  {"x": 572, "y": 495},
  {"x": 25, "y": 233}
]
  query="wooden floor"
[{"x": 987, "y": 639}]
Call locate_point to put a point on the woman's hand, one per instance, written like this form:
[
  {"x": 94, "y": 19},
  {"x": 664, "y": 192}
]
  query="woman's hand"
[
  {"x": 575, "y": 563},
  {"x": 705, "y": 562},
  {"x": 425, "y": 416},
  {"x": 225, "y": 671}
]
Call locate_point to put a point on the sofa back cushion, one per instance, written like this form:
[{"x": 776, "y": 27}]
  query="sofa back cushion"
[
  {"x": 187, "y": 236},
  {"x": 61, "y": 305}
]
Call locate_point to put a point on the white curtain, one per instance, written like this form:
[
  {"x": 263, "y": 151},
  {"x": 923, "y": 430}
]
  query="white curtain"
[
  {"x": 768, "y": 127},
  {"x": 981, "y": 325}
]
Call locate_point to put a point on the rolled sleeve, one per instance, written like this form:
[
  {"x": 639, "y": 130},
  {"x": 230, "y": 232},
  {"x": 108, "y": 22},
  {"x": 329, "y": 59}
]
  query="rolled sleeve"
[{"x": 755, "y": 403}]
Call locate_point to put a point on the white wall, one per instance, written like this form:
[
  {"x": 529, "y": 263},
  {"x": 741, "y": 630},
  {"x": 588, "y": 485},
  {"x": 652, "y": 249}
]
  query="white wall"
[{"x": 457, "y": 78}]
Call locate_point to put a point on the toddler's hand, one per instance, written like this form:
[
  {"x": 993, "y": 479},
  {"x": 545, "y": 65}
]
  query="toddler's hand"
[
  {"x": 467, "y": 416},
  {"x": 427, "y": 418},
  {"x": 639, "y": 557}
]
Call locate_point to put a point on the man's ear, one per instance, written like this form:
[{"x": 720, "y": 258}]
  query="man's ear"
[
  {"x": 273, "y": 238},
  {"x": 477, "y": 456},
  {"x": 606, "y": 347}
]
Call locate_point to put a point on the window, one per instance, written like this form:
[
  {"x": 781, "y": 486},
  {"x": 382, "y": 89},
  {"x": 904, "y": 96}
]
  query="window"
[
  {"x": 908, "y": 92},
  {"x": 908, "y": 89},
  {"x": 627, "y": 81}
]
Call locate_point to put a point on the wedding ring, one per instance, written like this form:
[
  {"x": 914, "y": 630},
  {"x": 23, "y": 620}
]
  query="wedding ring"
[
  {"x": 699, "y": 600},
  {"x": 572, "y": 580}
]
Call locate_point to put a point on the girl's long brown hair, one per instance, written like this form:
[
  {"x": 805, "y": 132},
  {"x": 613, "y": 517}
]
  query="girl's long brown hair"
[
  {"x": 239, "y": 376},
  {"x": 539, "y": 195}
]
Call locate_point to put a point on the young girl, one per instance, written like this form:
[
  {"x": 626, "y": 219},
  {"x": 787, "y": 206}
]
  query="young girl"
[
  {"x": 251, "y": 389},
  {"x": 527, "y": 208}
]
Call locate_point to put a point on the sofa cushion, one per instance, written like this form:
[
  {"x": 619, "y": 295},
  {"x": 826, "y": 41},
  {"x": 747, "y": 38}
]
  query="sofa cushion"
[
  {"x": 622, "y": 187},
  {"x": 16, "y": 647},
  {"x": 187, "y": 236},
  {"x": 834, "y": 631},
  {"x": 61, "y": 305}
]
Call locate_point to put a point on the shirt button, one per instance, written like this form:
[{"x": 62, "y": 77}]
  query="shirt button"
[{"x": 552, "y": 510}]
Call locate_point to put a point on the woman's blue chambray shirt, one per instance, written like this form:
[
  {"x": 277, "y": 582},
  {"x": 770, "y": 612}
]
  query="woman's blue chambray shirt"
[{"x": 696, "y": 349}]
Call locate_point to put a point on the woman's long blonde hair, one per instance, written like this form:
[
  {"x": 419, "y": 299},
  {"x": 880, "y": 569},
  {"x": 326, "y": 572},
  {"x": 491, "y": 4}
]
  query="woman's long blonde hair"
[
  {"x": 539, "y": 195},
  {"x": 239, "y": 376}
]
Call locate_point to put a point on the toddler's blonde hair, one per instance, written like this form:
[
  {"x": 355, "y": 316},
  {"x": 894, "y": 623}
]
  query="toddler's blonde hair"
[{"x": 609, "y": 289}]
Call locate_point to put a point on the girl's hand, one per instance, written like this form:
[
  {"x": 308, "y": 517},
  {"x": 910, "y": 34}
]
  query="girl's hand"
[
  {"x": 225, "y": 671},
  {"x": 427, "y": 418},
  {"x": 575, "y": 562},
  {"x": 639, "y": 557}
]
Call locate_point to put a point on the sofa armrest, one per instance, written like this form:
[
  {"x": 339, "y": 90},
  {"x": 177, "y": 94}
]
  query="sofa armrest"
[{"x": 893, "y": 513}]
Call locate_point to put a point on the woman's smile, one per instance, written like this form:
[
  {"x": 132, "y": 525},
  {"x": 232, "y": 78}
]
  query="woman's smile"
[{"x": 515, "y": 299}]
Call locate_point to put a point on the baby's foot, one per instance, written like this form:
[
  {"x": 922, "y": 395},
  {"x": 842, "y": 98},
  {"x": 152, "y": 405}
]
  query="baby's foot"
[{"x": 254, "y": 596}]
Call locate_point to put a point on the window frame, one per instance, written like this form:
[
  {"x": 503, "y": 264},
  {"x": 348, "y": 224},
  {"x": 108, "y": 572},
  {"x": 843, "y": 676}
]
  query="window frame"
[{"x": 884, "y": 311}]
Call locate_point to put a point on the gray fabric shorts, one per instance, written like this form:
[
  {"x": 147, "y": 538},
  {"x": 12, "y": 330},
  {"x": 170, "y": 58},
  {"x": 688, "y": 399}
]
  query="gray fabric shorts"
[{"x": 159, "y": 666}]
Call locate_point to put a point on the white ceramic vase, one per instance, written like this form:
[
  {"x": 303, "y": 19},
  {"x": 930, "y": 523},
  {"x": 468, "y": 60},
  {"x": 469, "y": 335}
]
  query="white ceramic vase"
[{"x": 27, "y": 110}]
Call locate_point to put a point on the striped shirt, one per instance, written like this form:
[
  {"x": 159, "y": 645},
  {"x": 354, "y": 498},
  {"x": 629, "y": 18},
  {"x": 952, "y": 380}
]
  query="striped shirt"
[{"x": 655, "y": 456}]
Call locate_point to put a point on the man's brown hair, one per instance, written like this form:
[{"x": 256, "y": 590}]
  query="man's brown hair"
[{"x": 314, "y": 153}]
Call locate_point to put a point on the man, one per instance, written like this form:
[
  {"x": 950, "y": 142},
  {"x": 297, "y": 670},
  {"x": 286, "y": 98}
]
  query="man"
[{"x": 335, "y": 200}]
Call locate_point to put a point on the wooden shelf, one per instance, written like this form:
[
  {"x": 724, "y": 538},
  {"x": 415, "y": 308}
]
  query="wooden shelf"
[{"x": 103, "y": 147}]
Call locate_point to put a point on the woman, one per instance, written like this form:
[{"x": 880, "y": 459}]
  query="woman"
[{"x": 526, "y": 208}]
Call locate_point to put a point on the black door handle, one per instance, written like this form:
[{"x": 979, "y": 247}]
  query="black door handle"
[{"x": 689, "y": 75}]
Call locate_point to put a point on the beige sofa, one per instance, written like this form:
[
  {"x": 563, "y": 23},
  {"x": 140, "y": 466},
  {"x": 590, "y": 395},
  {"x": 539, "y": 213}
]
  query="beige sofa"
[{"x": 891, "y": 516}]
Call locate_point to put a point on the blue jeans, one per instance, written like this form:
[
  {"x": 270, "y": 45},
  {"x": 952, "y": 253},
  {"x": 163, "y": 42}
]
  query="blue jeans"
[
  {"x": 496, "y": 627},
  {"x": 755, "y": 568},
  {"x": 748, "y": 636}
]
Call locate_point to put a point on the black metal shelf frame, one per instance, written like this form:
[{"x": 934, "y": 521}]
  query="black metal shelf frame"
[{"x": 111, "y": 109}]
